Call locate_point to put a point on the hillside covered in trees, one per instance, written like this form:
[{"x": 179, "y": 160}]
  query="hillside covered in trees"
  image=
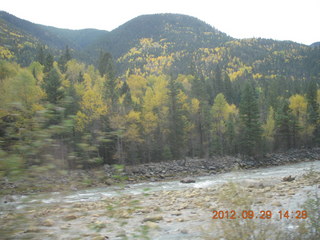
[{"x": 159, "y": 87}]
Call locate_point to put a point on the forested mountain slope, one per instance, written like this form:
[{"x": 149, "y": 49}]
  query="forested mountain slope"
[
  {"x": 180, "y": 41},
  {"x": 159, "y": 87}
]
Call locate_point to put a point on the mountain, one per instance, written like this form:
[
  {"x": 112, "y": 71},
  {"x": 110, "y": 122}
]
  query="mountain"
[
  {"x": 51, "y": 36},
  {"x": 20, "y": 38},
  {"x": 169, "y": 43},
  {"x": 316, "y": 44},
  {"x": 183, "y": 32}
]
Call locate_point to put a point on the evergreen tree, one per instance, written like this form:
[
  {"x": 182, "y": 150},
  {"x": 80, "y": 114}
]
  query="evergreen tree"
[
  {"x": 41, "y": 56},
  {"x": 313, "y": 110},
  {"x": 52, "y": 86},
  {"x": 106, "y": 65},
  {"x": 250, "y": 128},
  {"x": 64, "y": 59},
  {"x": 285, "y": 125},
  {"x": 228, "y": 88},
  {"x": 48, "y": 63},
  {"x": 175, "y": 120}
]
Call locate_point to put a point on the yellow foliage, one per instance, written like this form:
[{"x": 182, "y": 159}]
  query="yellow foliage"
[
  {"x": 73, "y": 70},
  {"x": 195, "y": 105},
  {"x": 21, "y": 89},
  {"x": 37, "y": 107},
  {"x": 257, "y": 76},
  {"x": 149, "y": 123},
  {"x": 132, "y": 130},
  {"x": 156, "y": 96},
  {"x": 87, "y": 81},
  {"x": 183, "y": 100},
  {"x": 269, "y": 126},
  {"x": 133, "y": 134},
  {"x": 92, "y": 108},
  {"x": 158, "y": 65},
  {"x": 5, "y": 53},
  {"x": 137, "y": 85},
  {"x": 298, "y": 105},
  {"x": 133, "y": 116},
  {"x": 81, "y": 121},
  {"x": 221, "y": 111},
  {"x": 186, "y": 81}
]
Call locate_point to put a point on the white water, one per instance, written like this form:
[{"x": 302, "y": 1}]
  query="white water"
[{"x": 95, "y": 194}]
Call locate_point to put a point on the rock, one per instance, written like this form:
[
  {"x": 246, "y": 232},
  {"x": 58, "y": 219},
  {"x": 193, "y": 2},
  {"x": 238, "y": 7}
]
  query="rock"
[
  {"x": 176, "y": 213},
  {"x": 101, "y": 238},
  {"x": 184, "y": 231},
  {"x": 121, "y": 233},
  {"x": 32, "y": 230},
  {"x": 155, "y": 218},
  {"x": 69, "y": 217},
  {"x": 291, "y": 193},
  {"x": 8, "y": 199},
  {"x": 47, "y": 223},
  {"x": 276, "y": 204},
  {"x": 124, "y": 214},
  {"x": 188, "y": 180},
  {"x": 288, "y": 179},
  {"x": 152, "y": 225},
  {"x": 267, "y": 189},
  {"x": 64, "y": 227},
  {"x": 144, "y": 210}
]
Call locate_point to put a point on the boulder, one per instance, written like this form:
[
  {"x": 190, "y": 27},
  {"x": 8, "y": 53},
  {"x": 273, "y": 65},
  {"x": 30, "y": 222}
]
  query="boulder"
[
  {"x": 153, "y": 218},
  {"x": 47, "y": 223},
  {"x": 288, "y": 179},
  {"x": 188, "y": 180}
]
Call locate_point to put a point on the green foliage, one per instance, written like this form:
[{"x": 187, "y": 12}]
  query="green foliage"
[
  {"x": 52, "y": 86},
  {"x": 106, "y": 65},
  {"x": 313, "y": 110},
  {"x": 250, "y": 130},
  {"x": 64, "y": 59},
  {"x": 11, "y": 165},
  {"x": 119, "y": 172},
  {"x": 168, "y": 91}
]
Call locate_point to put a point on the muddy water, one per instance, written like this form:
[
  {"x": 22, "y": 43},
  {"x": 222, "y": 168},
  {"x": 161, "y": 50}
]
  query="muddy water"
[{"x": 158, "y": 210}]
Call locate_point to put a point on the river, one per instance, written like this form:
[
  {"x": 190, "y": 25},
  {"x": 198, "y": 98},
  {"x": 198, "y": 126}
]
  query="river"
[{"x": 149, "y": 199}]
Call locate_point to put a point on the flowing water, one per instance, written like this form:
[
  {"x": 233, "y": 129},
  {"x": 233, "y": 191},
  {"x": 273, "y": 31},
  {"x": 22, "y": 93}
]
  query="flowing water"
[
  {"x": 96, "y": 194},
  {"x": 25, "y": 203}
]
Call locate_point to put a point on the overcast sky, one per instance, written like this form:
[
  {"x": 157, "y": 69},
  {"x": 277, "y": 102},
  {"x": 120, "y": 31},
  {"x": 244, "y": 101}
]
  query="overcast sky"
[{"x": 296, "y": 20}]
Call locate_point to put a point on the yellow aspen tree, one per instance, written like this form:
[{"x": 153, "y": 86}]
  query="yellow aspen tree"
[
  {"x": 221, "y": 111},
  {"x": 298, "y": 105},
  {"x": 137, "y": 85}
]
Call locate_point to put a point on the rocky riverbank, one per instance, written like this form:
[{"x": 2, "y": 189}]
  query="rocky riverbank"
[
  {"x": 217, "y": 164},
  {"x": 177, "y": 214},
  {"x": 54, "y": 180}
]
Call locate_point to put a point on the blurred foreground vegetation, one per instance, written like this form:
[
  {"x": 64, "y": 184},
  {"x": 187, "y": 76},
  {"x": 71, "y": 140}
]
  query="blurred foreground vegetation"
[{"x": 60, "y": 113}]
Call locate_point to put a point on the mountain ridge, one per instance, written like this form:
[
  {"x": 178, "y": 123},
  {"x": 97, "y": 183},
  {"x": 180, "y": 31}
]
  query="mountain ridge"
[{"x": 180, "y": 40}]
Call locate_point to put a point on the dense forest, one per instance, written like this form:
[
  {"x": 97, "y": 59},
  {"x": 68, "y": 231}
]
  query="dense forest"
[{"x": 159, "y": 87}]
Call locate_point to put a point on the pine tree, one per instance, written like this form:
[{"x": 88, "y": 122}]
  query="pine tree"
[
  {"x": 64, "y": 59},
  {"x": 40, "y": 55},
  {"x": 313, "y": 110},
  {"x": 284, "y": 126},
  {"x": 48, "y": 63},
  {"x": 106, "y": 65},
  {"x": 52, "y": 86},
  {"x": 250, "y": 129},
  {"x": 175, "y": 120}
]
